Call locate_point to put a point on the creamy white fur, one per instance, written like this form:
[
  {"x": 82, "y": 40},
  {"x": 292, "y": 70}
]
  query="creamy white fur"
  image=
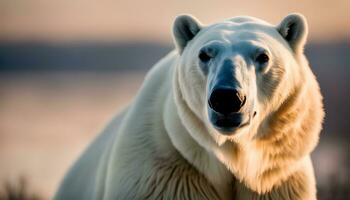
[{"x": 164, "y": 146}]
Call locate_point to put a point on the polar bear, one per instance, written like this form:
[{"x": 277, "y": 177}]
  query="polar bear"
[{"x": 232, "y": 113}]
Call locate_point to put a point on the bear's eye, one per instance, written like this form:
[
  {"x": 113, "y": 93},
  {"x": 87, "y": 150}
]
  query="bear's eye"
[
  {"x": 204, "y": 57},
  {"x": 262, "y": 58}
]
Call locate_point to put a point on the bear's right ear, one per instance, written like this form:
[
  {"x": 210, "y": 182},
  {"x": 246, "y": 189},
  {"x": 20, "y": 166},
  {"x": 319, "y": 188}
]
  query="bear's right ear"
[
  {"x": 294, "y": 30},
  {"x": 185, "y": 28}
]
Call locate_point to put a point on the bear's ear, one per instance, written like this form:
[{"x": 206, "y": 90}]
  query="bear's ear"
[
  {"x": 294, "y": 30},
  {"x": 185, "y": 28}
]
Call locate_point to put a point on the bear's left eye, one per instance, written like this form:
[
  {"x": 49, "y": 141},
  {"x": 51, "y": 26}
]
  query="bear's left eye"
[
  {"x": 204, "y": 57},
  {"x": 262, "y": 58}
]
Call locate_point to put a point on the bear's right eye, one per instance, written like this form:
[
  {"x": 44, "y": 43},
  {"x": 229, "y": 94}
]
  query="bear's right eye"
[
  {"x": 262, "y": 58},
  {"x": 204, "y": 57}
]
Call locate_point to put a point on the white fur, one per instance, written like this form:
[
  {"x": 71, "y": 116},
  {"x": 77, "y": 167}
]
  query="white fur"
[{"x": 164, "y": 146}]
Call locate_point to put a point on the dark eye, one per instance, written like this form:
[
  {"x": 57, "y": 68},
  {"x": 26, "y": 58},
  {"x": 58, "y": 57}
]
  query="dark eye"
[
  {"x": 262, "y": 58},
  {"x": 203, "y": 56}
]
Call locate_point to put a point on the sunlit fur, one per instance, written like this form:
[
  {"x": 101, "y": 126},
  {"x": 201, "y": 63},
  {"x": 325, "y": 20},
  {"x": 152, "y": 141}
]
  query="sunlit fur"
[{"x": 164, "y": 146}]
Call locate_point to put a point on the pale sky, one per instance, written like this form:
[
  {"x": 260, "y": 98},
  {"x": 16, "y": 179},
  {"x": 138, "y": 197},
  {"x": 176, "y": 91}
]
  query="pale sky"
[{"x": 152, "y": 19}]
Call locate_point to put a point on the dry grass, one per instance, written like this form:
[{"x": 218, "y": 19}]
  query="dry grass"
[{"x": 18, "y": 191}]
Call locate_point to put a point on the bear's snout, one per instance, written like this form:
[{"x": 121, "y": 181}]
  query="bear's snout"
[{"x": 226, "y": 100}]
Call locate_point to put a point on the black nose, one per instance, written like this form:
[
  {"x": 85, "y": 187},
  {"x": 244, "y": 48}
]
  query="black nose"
[{"x": 226, "y": 100}]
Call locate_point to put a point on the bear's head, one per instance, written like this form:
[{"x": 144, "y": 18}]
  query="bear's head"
[
  {"x": 234, "y": 73},
  {"x": 244, "y": 80}
]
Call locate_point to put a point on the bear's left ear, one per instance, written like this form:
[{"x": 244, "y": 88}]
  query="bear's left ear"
[
  {"x": 294, "y": 30},
  {"x": 185, "y": 28}
]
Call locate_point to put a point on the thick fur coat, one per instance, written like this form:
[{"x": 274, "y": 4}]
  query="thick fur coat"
[{"x": 168, "y": 145}]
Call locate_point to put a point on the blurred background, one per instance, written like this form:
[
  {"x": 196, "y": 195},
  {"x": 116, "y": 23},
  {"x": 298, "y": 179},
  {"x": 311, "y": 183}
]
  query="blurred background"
[{"x": 66, "y": 67}]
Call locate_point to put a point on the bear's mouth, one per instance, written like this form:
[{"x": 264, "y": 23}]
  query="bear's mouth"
[{"x": 228, "y": 124}]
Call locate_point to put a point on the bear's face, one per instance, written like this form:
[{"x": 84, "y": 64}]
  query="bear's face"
[{"x": 234, "y": 73}]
